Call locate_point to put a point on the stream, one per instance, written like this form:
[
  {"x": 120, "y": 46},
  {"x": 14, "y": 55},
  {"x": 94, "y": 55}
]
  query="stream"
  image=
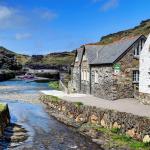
[{"x": 44, "y": 132}]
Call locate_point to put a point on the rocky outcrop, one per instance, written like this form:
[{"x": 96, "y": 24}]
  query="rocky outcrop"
[{"x": 6, "y": 75}]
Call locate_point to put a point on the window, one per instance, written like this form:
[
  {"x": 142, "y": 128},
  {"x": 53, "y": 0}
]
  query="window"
[
  {"x": 138, "y": 48},
  {"x": 96, "y": 76},
  {"x": 136, "y": 76},
  {"x": 88, "y": 76},
  {"x": 82, "y": 74}
]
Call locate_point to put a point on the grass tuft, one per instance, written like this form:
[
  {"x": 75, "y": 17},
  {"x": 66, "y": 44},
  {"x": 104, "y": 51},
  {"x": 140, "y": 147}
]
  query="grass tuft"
[
  {"x": 54, "y": 85},
  {"x": 78, "y": 104}
]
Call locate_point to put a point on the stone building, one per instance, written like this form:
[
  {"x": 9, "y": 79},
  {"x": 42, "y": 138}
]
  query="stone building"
[
  {"x": 144, "y": 83},
  {"x": 108, "y": 71}
]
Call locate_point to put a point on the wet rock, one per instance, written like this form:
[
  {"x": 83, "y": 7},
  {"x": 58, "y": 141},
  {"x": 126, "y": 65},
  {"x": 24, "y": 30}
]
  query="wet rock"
[
  {"x": 146, "y": 139},
  {"x": 131, "y": 133},
  {"x": 14, "y": 134},
  {"x": 94, "y": 119}
]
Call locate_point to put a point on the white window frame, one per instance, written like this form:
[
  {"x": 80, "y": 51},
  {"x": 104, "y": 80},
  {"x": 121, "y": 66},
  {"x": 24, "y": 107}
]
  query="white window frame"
[
  {"x": 96, "y": 76},
  {"x": 88, "y": 77},
  {"x": 82, "y": 75},
  {"x": 136, "y": 75},
  {"x": 138, "y": 48}
]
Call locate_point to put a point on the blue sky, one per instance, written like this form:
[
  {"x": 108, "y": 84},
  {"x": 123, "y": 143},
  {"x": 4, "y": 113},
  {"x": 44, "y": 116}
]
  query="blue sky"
[{"x": 44, "y": 26}]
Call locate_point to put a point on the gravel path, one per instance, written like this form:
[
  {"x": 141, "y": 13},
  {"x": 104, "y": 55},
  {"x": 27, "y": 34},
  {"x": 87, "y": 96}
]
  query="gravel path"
[{"x": 122, "y": 105}]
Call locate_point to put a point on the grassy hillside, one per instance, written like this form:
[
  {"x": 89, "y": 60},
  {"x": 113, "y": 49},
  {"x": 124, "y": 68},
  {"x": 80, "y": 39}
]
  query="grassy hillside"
[
  {"x": 63, "y": 58},
  {"x": 142, "y": 28},
  {"x": 23, "y": 59},
  {"x": 8, "y": 54}
]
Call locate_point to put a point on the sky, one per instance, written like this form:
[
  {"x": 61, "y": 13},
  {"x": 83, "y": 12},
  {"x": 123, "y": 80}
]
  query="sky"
[{"x": 45, "y": 26}]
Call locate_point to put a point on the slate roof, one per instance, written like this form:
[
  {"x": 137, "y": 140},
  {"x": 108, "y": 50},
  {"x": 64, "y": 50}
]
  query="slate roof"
[
  {"x": 108, "y": 54},
  {"x": 79, "y": 54}
]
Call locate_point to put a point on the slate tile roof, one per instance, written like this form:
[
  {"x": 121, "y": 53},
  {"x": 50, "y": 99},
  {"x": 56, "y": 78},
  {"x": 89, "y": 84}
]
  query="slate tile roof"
[
  {"x": 79, "y": 54},
  {"x": 107, "y": 54}
]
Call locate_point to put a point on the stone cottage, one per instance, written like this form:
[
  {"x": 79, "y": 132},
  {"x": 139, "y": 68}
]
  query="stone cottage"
[
  {"x": 144, "y": 83},
  {"x": 108, "y": 71}
]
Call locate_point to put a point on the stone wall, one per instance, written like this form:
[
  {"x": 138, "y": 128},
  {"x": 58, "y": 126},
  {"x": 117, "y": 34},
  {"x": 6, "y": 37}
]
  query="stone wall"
[
  {"x": 76, "y": 78},
  {"x": 104, "y": 87},
  {"x": 4, "y": 118},
  {"x": 144, "y": 98},
  {"x": 75, "y": 115},
  {"x": 123, "y": 83}
]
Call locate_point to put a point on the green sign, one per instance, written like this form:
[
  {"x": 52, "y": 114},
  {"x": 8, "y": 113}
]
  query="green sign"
[{"x": 117, "y": 67}]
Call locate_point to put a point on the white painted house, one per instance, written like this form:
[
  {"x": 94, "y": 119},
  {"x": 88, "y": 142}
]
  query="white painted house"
[{"x": 144, "y": 81}]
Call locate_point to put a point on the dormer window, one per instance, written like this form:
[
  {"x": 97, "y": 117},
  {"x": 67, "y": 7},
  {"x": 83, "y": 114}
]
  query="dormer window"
[{"x": 138, "y": 48}]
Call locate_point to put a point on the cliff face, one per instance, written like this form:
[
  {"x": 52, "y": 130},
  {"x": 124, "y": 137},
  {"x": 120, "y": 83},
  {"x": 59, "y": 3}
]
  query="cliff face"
[
  {"x": 8, "y": 60},
  {"x": 142, "y": 28}
]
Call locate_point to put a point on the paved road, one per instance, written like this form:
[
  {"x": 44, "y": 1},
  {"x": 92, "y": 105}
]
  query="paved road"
[{"x": 122, "y": 105}]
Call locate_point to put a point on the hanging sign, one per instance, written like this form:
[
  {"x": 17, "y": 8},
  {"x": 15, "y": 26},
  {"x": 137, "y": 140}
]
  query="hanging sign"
[{"x": 117, "y": 69}]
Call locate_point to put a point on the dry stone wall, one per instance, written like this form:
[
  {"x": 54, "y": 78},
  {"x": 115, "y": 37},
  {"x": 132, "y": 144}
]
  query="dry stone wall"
[
  {"x": 135, "y": 126},
  {"x": 144, "y": 98},
  {"x": 4, "y": 119}
]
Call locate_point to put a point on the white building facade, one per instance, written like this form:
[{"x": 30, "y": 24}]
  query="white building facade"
[{"x": 144, "y": 80}]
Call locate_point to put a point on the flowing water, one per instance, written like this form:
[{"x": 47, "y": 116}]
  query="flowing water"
[{"x": 44, "y": 132}]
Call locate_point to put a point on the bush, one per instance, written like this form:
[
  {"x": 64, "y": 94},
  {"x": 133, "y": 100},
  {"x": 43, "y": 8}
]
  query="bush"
[
  {"x": 78, "y": 104},
  {"x": 54, "y": 85}
]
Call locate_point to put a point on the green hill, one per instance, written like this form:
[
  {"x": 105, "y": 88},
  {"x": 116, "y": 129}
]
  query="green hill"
[
  {"x": 62, "y": 58},
  {"x": 142, "y": 28}
]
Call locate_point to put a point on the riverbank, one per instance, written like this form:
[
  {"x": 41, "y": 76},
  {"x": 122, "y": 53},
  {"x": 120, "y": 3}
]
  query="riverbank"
[
  {"x": 108, "y": 128},
  {"x": 36, "y": 128},
  {"x": 11, "y": 93}
]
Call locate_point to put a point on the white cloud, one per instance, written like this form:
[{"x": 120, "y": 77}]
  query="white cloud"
[
  {"x": 5, "y": 12},
  {"x": 11, "y": 17},
  {"x": 46, "y": 14},
  {"x": 109, "y": 5},
  {"x": 22, "y": 36}
]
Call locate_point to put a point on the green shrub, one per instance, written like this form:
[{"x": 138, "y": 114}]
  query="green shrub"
[
  {"x": 2, "y": 107},
  {"x": 78, "y": 104},
  {"x": 115, "y": 130},
  {"x": 122, "y": 139},
  {"x": 54, "y": 85},
  {"x": 54, "y": 99}
]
